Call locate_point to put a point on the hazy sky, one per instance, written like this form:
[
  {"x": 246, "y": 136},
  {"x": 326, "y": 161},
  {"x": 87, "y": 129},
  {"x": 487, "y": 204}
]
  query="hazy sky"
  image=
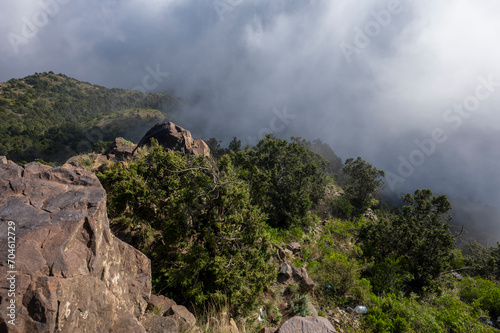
[{"x": 411, "y": 86}]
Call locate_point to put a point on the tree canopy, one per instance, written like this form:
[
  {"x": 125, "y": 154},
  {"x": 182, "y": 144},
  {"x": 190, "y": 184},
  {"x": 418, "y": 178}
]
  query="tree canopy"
[
  {"x": 285, "y": 178},
  {"x": 211, "y": 240},
  {"x": 362, "y": 182},
  {"x": 416, "y": 244}
]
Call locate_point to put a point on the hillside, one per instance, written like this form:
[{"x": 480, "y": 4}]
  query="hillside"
[
  {"x": 52, "y": 116},
  {"x": 268, "y": 231},
  {"x": 247, "y": 239}
]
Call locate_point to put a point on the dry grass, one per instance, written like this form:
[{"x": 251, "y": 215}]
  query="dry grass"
[{"x": 215, "y": 319}]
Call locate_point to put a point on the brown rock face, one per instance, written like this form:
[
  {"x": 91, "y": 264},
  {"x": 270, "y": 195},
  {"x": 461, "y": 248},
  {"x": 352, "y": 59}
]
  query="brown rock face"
[
  {"x": 71, "y": 273},
  {"x": 162, "y": 306},
  {"x": 120, "y": 149},
  {"x": 159, "y": 304},
  {"x": 175, "y": 138},
  {"x": 92, "y": 162},
  {"x": 181, "y": 315},
  {"x": 307, "y": 325},
  {"x": 157, "y": 324}
]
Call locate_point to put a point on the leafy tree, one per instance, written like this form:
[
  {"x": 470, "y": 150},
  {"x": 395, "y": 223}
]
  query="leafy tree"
[
  {"x": 417, "y": 241},
  {"x": 483, "y": 261},
  {"x": 211, "y": 243},
  {"x": 235, "y": 145},
  {"x": 362, "y": 182},
  {"x": 286, "y": 179},
  {"x": 215, "y": 148},
  {"x": 213, "y": 143}
]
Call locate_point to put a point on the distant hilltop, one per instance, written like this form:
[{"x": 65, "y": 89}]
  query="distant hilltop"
[{"x": 52, "y": 116}]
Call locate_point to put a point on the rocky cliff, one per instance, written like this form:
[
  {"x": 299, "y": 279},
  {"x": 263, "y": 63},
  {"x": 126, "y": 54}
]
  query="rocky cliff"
[{"x": 68, "y": 273}]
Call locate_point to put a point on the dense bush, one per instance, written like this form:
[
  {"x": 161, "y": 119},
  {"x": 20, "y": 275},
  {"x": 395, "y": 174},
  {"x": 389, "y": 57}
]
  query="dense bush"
[
  {"x": 338, "y": 273},
  {"x": 408, "y": 314},
  {"x": 212, "y": 244},
  {"x": 416, "y": 245},
  {"x": 286, "y": 179},
  {"x": 482, "y": 261},
  {"x": 341, "y": 208},
  {"x": 482, "y": 294},
  {"x": 361, "y": 184}
]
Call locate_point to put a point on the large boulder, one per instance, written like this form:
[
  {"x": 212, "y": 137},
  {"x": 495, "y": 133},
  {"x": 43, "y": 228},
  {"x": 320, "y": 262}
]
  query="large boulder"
[
  {"x": 69, "y": 273},
  {"x": 175, "y": 138},
  {"x": 307, "y": 325},
  {"x": 159, "y": 324},
  {"x": 159, "y": 304},
  {"x": 181, "y": 315},
  {"x": 120, "y": 149},
  {"x": 92, "y": 162}
]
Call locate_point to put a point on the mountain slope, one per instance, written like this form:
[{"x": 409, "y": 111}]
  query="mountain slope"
[{"x": 52, "y": 116}]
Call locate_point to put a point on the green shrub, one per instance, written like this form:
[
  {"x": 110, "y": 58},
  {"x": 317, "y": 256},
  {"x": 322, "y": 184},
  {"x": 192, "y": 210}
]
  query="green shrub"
[
  {"x": 274, "y": 315},
  {"x": 340, "y": 236},
  {"x": 339, "y": 279},
  {"x": 446, "y": 313},
  {"x": 416, "y": 244},
  {"x": 39, "y": 160},
  {"x": 362, "y": 182},
  {"x": 281, "y": 236},
  {"x": 127, "y": 143},
  {"x": 286, "y": 179},
  {"x": 481, "y": 294},
  {"x": 300, "y": 306},
  {"x": 212, "y": 244},
  {"x": 388, "y": 275},
  {"x": 483, "y": 261},
  {"x": 341, "y": 208},
  {"x": 86, "y": 162}
]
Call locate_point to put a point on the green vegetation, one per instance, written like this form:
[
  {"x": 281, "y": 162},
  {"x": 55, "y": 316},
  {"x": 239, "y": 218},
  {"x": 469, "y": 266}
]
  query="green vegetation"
[
  {"x": 413, "y": 248},
  {"x": 482, "y": 294},
  {"x": 445, "y": 313},
  {"x": 483, "y": 261},
  {"x": 361, "y": 184},
  {"x": 53, "y": 117},
  {"x": 211, "y": 227},
  {"x": 211, "y": 243},
  {"x": 300, "y": 306},
  {"x": 286, "y": 179}
]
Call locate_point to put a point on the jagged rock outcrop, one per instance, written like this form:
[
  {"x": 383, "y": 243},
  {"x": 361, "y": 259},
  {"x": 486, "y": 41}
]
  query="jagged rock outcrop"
[
  {"x": 294, "y": 247},
  {"x": 167, "y": 308},
  {"x": 71, "y": 273},
  {"x": 299, "y": 276},
  {"x": 92, "y": 162},
  {"x": 120, "y": 149},
  {"x": 307, "y": 325},
  {"x": 158, "y": 324},
  {"x": 175, "y": 138},
  {"x": 285, "y": 272}
]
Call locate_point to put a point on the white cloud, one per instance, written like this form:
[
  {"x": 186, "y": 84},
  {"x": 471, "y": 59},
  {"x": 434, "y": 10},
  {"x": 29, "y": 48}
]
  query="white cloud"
[{"x": 267, "y": 54}]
